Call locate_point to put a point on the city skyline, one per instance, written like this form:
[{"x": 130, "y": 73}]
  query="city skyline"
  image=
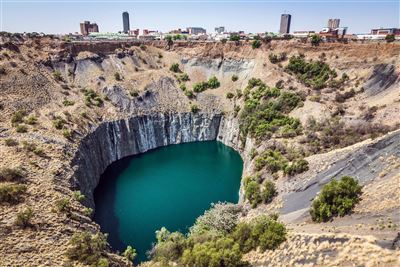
[{"x": 64, "y": 16}]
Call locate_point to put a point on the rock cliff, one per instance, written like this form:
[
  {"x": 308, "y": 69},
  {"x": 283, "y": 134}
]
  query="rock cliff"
[{"x": 113, "y": 140}]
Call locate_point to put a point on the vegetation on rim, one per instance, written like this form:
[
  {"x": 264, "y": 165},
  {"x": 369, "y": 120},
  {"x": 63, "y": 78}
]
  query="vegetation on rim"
[
  {"x": 336, "y": 198},
  {"x": 218, "y": 239}
]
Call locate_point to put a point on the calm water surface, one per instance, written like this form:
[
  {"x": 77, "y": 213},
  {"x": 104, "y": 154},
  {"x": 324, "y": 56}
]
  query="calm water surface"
[{"x": 169, "y": 186}]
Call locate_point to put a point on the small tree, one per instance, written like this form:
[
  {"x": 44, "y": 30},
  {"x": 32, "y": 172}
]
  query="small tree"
[
  {"x": 175, "y": 68},
  {"x": 88, "y": 249},
  {"x": 390, "y": 38},
  {"x": 234, "y": 78},
  {"x": 194, "y": 108},
  {"x": 24, "y": 218},
  {"x": 256, "y": 44},
  {"x": 336, "y": 198},
  {"x": 315, "y": 40},
  {"x": 130, "y": 253},
  {"x": 234, "y": 38},
  {"x": 269, "y": 191},
  {"x": 169, "y": 40},
  {"x": 213, "y": 82}
]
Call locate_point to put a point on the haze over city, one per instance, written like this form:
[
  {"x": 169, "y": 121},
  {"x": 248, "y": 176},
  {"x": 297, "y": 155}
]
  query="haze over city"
[{"x": 63, "y": 16}]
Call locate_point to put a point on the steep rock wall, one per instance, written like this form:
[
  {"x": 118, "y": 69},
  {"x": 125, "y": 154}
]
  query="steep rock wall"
[{"x": 113, "y": 140}]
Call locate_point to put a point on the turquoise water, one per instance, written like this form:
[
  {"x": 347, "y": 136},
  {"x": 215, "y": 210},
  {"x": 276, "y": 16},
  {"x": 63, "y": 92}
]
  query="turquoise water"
[{"x": 169, "y": 186}]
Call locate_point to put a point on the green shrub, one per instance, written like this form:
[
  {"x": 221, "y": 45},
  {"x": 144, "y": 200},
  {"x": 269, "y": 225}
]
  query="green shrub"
[
  {"x": 32, "y": 147},
  {"x": 67, "y": 133},
  {"x": 213, "y": 82},
  {"x": 103, "y": 262},
  {"x": 296, "y": 167},
  {"x": 194, "y": 108},
  {"x": 272, "y": 160},
  {"x": 130, "y": 253},
  {"x": 316, "y": 74},
  {"x": 67, "y": 102},
  {"x": 24, "y": 218},
  {"x": 265, "y": 233},
  {"x": 78, "y": 196},
  {"x": 183, "y": 87},
  {"x": 229, "y": 95},
  {"x": 134, "y": 93},
  {"x": 184, "y": 77},
  {"x": 269, "y": 191},
  {"x": 315, "y": 40},
  {"x": 189, "y": 93},
  {"x": 58, "y": 123},
  {"x": 11, "y": 193},
  {"x": 21, "y": 128},
  {"x": 273, "y": 58},
  {"x": 18, "y": 116},
  {"x": 117, "y": 76},
  {"x": 253, "y": 193},
  {"x": 221, "y": 218},
  {"x": 223, "y": 251},
  {"x": 88, "y": 211},
  {"x": 256, "y": 44},
  {"x": 390, "y": 38},
  {"x": 63, "y": 205},
  {"x": 235, "y": 78},
  {"x": 234, "y": 38},
  {"x": 10, "y": 142},
  {"x": 336, "y": 198},
  {"x": 91, "y": 97},
  {"x": 31, "y": 120},
  {"x": 170, "y": 246},
  {"x": 200, "y": 87},
  {"x": 11, "y": 174},
  {"x": 57, "y": 75},
  {"x": 87, "y": 248},
  {"x": 175, "y": 68}
]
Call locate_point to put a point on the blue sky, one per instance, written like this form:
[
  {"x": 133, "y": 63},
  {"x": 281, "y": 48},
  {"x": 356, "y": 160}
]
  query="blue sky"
[{"x": 63, "y": 16}]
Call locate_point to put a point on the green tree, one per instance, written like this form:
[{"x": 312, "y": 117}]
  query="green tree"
[
  {"x": 175, "y": 68},
  {"x": 336, "y": 198},
  {"x": 169, "y": 40},
  {"x": 315, "y": 40},
  {"x": 256, "y": 44},
  {"x": 213, "y": 82},
  {"x": 130, "y": 253},
  {"x": 269, "y": 191},
  {"x": 252, "y": 193},
  {"x": 390, "y": 38},
  {"x": 87, "y": 248},
  {"x": 24, "y": 218},
  {"x": 234, "y": 38}
]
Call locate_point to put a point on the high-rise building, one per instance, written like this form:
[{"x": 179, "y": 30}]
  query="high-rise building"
[
  {"x": 333, "y": 23},
  {"x": 220, "y": 29},
  {"x": 87, "y": 27},
  {"x": 196, "y": 30},
  {"x": 285, "y": 23},
  {"x": 125, "y": 21}
]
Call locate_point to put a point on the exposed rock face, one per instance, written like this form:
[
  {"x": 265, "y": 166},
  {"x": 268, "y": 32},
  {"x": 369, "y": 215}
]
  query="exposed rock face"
[
  {"x": 363, "y": 164},
  {"x": 114, "y": 140},
  {"x": 383, "y": 77},
  {"x": 220, "y": 66}
]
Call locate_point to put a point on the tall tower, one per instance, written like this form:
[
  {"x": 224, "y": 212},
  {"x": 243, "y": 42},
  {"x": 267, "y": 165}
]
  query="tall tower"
[
  {"x": 333, "y": 23},
  {"x": 125, "y": 21},
  {"x": 285, "y": 23}
]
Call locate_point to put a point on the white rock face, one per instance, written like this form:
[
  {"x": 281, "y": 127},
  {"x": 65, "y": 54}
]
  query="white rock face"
[{"x": 113, "y": 140}]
